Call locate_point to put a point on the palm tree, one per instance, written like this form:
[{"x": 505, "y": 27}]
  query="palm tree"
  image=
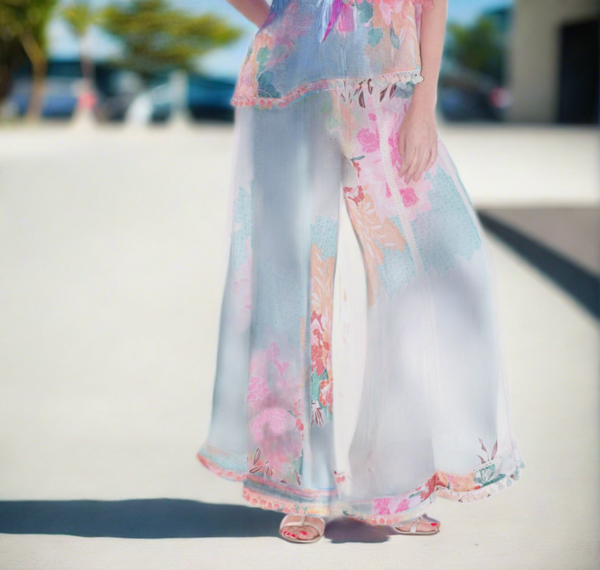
[
  {"x": 159, "y": 39},
  {"x": 26, "y": 21},
  {"x": 81, "y": 17}
]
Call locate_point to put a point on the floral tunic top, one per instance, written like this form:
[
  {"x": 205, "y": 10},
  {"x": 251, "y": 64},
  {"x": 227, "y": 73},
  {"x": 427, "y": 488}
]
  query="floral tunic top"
[{"x": 306, "y": 46}]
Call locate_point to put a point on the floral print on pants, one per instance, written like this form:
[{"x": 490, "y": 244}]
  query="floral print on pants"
[{"x": 430, "y": 414}]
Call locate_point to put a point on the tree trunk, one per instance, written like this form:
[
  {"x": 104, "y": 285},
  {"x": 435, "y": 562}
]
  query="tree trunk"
[
  {"x": 39, "y": 67},
  {"x": 86, "y": 97}
]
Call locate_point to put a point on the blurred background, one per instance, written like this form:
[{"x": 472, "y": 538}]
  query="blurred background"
[
  {"x": 116, "y": 160},
  {"x": 505, "y": 60}
]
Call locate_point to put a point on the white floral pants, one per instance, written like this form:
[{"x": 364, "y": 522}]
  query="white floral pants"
[{"x": 366, "y": 383}]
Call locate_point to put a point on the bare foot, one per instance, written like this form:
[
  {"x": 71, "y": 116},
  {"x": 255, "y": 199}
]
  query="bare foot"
[{"x": 304, "y": 532}]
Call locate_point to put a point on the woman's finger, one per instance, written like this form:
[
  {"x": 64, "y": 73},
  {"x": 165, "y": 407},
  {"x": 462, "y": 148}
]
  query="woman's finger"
[
  {"x": 414, "y": 165},
  {"x": 428, "y": 162},
  {"x": 407, "y": 160},
  {"x": 434, "y": 155},
  {"x": 420, "y": 167},
  {"x": 424, "y": 159},
  {"x": 401, "y": 143}
]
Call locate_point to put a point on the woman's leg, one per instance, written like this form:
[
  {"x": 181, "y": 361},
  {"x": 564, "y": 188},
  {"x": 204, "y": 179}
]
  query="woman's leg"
[
  {"x": 433, "y": 412},
  {"x": 296, "y": 200},
  {"x": 272, "y": 415}
]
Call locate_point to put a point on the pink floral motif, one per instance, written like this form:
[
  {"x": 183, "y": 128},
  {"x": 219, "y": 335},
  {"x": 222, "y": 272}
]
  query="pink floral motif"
[
  {"x": 258, "y": 364},
  {"x": 393, "y": 142},
  {"x": 341, "y": 16},
  {"x": 273, "y": 353},
  {"x": 382, "y": 506},
  {"x": 275, "y": 407},
  {"x": 346, "y": 19},
  {"x": 298, "y": 407},
  {"x": 369, "y": 141},
  {"x": 409, "y": 197},
  {"x": 417, "y": 201},
  {"x": 271, "y": 421},
  {"x": 403, "y": 505},
  {"x": 321, "y": 320},
  {"x": 354, "y": 193},
  {"x": 257, "y": 391}
]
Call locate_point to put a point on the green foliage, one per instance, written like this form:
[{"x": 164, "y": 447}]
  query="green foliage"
[
  {"x": 479, "y": 47},
  {"x": 158, "y": 38},
  {"x": 80, "y": 16},
  {"x": 25, "y": 22},
  {"x": 26, "y": 17}
]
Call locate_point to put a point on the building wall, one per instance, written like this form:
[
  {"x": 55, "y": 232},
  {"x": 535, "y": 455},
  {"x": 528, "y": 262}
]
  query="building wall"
[{"x": 534, "y": 59}]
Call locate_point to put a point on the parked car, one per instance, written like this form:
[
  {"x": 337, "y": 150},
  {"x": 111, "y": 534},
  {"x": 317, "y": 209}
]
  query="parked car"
[
  {"x": 60, "y": 97},
  {"x": 120, "y": 93},
  {"x": 465, "y": 95}
]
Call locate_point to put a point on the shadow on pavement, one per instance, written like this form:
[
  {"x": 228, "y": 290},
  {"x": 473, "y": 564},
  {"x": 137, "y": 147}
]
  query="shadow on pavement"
[
  {"x": 568, "y": 274},
  {"x": 162, "y": 518},
  {"x": 136, "y": 518}
]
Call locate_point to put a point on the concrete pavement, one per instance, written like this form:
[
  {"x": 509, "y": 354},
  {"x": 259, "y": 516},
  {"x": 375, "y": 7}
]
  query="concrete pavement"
[{"x": 112, "y": 263}]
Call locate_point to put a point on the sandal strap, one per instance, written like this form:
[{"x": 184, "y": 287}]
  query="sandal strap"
[
  {"x": 415, "y": 524},
  {"x": 302, "y": 522}
]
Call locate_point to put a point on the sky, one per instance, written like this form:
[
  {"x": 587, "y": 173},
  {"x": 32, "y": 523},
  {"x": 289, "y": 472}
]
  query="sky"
[{"x": 225, "y": 62}]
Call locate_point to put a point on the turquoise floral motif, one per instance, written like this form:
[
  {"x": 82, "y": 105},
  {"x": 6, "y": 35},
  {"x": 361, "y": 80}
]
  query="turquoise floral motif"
[
  {"x": 398, "y": 268},
  {"x": 324, "y": 235},
  {"x": 447, "y": 230},
  {"x": 375, "y": 35},
  {"x": 265, "y": 76},
  {"x": 487, "y": 475}
]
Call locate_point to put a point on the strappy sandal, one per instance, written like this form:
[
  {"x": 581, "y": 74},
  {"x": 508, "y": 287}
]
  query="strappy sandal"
[
  {"x": 300, "y": 523},
  {"x": 415, "y": 524}
]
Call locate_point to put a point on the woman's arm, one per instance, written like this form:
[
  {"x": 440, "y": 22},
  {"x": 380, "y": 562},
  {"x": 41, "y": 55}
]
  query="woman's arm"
[
  {"x": 418, "y": 136},
  {"x": 255, "y": 10}
]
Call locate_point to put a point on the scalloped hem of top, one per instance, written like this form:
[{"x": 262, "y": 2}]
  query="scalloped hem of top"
[{"x": 328, "y": 84}]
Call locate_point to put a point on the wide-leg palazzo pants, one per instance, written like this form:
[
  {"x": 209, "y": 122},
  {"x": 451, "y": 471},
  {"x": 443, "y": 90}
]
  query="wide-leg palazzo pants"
[{"x": 359, "y": 371}]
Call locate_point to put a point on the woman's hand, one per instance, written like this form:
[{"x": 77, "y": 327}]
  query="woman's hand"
[
  {"x": 418, "y": 137},
  {"x": 417, "y": 141}
]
